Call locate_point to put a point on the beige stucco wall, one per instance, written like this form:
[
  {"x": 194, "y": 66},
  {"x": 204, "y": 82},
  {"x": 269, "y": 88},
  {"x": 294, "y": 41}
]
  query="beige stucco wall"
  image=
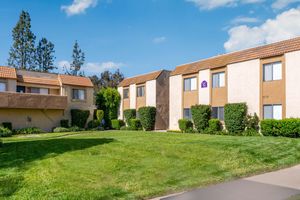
[
  {"x": 244, "y": 83},
  {"x": 292, "y": 84},
  {"x": 20, "y": 118},
  {"x": 132, "y": 96},
  {"x": 120, "y": 90},
  {"x": 11, "y": 85},
  {"x": 175, "y": 110},
  {"x": 204, "y": 93},
  {"x": 151, "y": 93}
]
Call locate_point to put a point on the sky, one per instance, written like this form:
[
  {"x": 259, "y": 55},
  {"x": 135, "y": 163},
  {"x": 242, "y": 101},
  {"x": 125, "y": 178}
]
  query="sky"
[{"x": 140, "y": 36}]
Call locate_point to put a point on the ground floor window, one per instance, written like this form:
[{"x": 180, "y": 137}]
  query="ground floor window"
[
  {"x": 187, "y": 113},
  {"x": 218, "y": 113},
  {"x": 273, "y": 111}
]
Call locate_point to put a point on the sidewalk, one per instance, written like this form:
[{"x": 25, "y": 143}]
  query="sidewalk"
[{"x": 279, "y": 185}]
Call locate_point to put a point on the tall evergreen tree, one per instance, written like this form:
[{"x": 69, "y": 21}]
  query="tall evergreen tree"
[
  {"x": 78, "y": 60},
  {"x": 45, "y": 56},
  {"x": 22, "y": 52}
]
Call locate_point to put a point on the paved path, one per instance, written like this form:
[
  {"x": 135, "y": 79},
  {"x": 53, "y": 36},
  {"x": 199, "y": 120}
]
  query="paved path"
[{"x": 279, "y": 185}]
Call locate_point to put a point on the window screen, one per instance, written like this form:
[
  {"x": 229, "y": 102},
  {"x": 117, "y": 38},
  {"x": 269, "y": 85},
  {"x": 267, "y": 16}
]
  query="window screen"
[
  {"x": 272, "y": 71},
  {"x": 125, "y": 93},
  {"x": 187, "y": 114},
  {"x": 272, "y": 111},
  {"x": 140, "y": 91},
  {"x": 218, "y": 80},
  {"x": 78, "y": 94},
  {"x": 190, "y": 84}
]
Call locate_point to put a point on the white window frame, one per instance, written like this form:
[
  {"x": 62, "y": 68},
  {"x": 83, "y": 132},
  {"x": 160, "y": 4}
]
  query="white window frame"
[
  {"x": 142, "y": 88},
  {"x": 81, "y": 95},
  {"x": 219, "y": 77},
  {"x": 275, "y": 68},
  {"x": 274, "y": 115},
  {"x": 190, "y": 84}
]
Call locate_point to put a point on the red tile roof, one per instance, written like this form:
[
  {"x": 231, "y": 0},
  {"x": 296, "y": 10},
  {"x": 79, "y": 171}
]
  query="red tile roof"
[
  {"x": 8, "y": 72},
  {"x": 75, "y": 80},
  {"x": 265, "y": 51},
  {"x": 38, "y": 80},
  {"x": 140, "y": 79}
]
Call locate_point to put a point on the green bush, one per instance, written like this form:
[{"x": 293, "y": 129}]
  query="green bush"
[
  {"x": 99, "y": 115},
  {"x": 235, "y": 117},
  {"x": 128, "y": 115},
  {"x": 185, "y": 125},
  {"x": 61, "y": 129},
  {"x": 29, "y": 130},
  {"x": 201, "y": 115},
  {"x": 64, "y": 123},
  {"x": 252, "y": 122},
  {"x": 135, "y": 124},
  {"x": 93, "y": 124},
  {"x": 79, "y": 117},
  {"x": 5, "y": 132},
  {"x": 286, "y": 127},
  {"x": 1, "y": 143},
  {"x": 75, "y": 129},
  {"x": 215, "y": 125},
  {"x": 117, "y": 124},
  {"x": 147, "y": 117},
  {"x": 7, "y": 125}
]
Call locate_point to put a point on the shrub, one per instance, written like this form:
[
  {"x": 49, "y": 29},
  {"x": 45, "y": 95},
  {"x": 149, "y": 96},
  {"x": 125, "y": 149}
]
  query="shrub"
[
  {"x": 270, "y": 127},
  {"x": 7, "y": 125},
  {"x": 5, "y": 132},
  {"x": 185, "y": 125},
  {"x": 93, "y": 124},
  {"x": 79, "y": 117},
  {"x": 252, "y": 122},
  {"x": 64, "y": 123},
  {"x": 147, "y": 117},
  {"x": 61, "y": 129},
  {"x": 117, "y": 124},
  {"x": 29, "y": 130},
  {"x": 128, "y": 115},
  {"x": 75, "y": 129},
  {"x": 201, "y": 115},
  {"x": 99, "y": 115},
  {"x": 286, "y": 127},
  {"x": 135, "y": 124},
  {"x": 214, "y": 125},
  {"x": 250, "y": 132},
  {"x": 1, "y": 143},
  {"x": 235, "y": 117}
]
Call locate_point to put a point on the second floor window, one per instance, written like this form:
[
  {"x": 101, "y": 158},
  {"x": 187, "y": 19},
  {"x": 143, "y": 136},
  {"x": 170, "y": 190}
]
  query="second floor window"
[
  {"x": 126, "y": 93},
  {"x": 2, "y": 87},
  {"x": 190, "y": 84},
  {"x": 272, "y": 71},
  {"x": 218, "y": 80},
  {"x": 78, "y": 94},
  {"x": 140, "y": 91},
  {"x": 38, "y": 90}
]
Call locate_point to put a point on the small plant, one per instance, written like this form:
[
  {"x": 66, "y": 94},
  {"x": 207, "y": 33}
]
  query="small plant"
[
  {"x": 135, "y": 124},
  {"x": 147, "y": 117},
  {"x": 61, "y": 130},
  {"x": 201, "y": 115},
  {"x": 75, "y": 129},
  {"x": 185, "y": 125},
  {"x": 5, "y": 132},
  {"x": 252, "y": 122},
  {"x": 117, "y": 124},
  {"x": 79, "y": 117},
  {"x": 7, "y": 125},
  {"x": 93, "y": 124},
  {"x": 29, "y": 130},
  {"x": 64, "y": 123},
  {"x": 128, "y": 115},
  {"x": 99, "y": 115}
]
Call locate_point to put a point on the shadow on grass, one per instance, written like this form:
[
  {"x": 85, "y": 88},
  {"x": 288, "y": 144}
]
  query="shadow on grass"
[{"x": 17, "y": 155}]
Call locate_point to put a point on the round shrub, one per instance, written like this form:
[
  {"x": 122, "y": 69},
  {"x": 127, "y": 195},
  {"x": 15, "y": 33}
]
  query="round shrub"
[
  {"x": 93, "y": 124},
  {"x": 215, "y": 125},
  {"x": 201, "y": 115},
  {"x": 117, "y": 124},
  {"x": 61, "y": 129},
  {"x": 185, "y": 125},
  {"x": 79, "y": 117},
  {"x": 235, "y": 117},
  {"x": 147, "y": 117},
  {"x": 135, "y": 124},
  {"x": 5, "y": 132},
  {"x": 128, "y": 115}
]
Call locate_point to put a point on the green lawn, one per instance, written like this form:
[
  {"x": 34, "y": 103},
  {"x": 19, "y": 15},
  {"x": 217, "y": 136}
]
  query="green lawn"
[{"x": 132, "y": 165}]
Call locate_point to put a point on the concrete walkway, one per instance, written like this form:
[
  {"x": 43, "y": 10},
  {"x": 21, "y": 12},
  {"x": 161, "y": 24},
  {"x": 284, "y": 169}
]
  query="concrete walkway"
[{"x": 279, "y": 185}]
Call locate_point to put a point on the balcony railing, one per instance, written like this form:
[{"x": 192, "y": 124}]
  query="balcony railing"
[{"x": 32, "y": 101}]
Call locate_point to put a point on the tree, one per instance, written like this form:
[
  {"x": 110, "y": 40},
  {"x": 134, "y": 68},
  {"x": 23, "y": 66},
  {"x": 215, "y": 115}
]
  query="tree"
[
  {"x": 108, "y": 100},
  {"x": 107, "y": 79},
  {"x": 45, "y": 56},
  {"x": 22, "y": 52},
  {"x": 78, "y": 60}
]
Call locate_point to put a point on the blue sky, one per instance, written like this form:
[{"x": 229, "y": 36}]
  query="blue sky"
[{"x": 139, "y": 36}]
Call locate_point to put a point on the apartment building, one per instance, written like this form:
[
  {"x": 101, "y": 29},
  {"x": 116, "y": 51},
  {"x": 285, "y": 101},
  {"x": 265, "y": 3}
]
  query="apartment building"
[
  {"x": 150, "y": 89},
  {"x": 265, "y": 77},
  {"x": 36, "y": 99}
]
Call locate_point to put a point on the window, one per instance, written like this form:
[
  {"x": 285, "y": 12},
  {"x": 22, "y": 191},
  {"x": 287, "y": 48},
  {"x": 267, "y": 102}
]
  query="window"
[
  {"x": 140, "y": 91},
  {"x": 35, "y": 90},
  {"x": 21, "y": 89},
  {"x": 218, "y": 80},
  {"x": 190, "y": 84},
  {"x": 218, "y": 113},
  {"x": 126, "y": 93},
  {"x": 44, "y": 91},
  {"x": 2, "y": 87},
  {"x": 272, "y": 71},
  {"x": 78, "y": 94},
  {"x": 272, "y": 111},
  {"x": 187, "y": 113}
]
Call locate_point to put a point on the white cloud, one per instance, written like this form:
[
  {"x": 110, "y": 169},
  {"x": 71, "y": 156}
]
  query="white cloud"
[
  {"x": 241, "y": 19},
  {"x": 212, "y": 4},
  {"x": 159, "y": 40},
  {"x": 286, "y": 25},
  {"x": 92, "y": 68},
  {"x": 78, "y": 6},
  {"x": 280, "y": 4}
]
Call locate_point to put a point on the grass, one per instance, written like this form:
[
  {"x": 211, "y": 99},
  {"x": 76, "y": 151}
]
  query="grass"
[{"x": 132, "y": 165}]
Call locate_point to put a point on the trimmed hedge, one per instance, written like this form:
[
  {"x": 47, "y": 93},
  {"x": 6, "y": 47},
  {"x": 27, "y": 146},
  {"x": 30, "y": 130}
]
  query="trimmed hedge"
[
  {"x": 147, "y": 117},
  {"x": 128, "y": 115},
  {"x": 286, "y": 127},
  {"x": 185, "y": 125},
  {"x": 5, "y": 132},
  {"x": 93, "y": 124},
  {"x": 29, "y": 130},
  {"x": 215, "y": 125},
  {"x": 7, "y": 125},
  {"x": 117, "y": 124},
  {"x": 135, "y": 124},
  {"x": 235, "y": 117},
  {"x": 64, "y": 123},
  {"x": 201, "y": 115},
  {"x": 79, "y": 117}
]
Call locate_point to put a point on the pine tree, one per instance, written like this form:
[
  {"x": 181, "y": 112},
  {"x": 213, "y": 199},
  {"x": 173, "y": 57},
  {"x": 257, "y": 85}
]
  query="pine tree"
[
  {"x": 22, "y": 52},
  {"x": 45, "y": 56},
  {"x": 78, "y": 60}
]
